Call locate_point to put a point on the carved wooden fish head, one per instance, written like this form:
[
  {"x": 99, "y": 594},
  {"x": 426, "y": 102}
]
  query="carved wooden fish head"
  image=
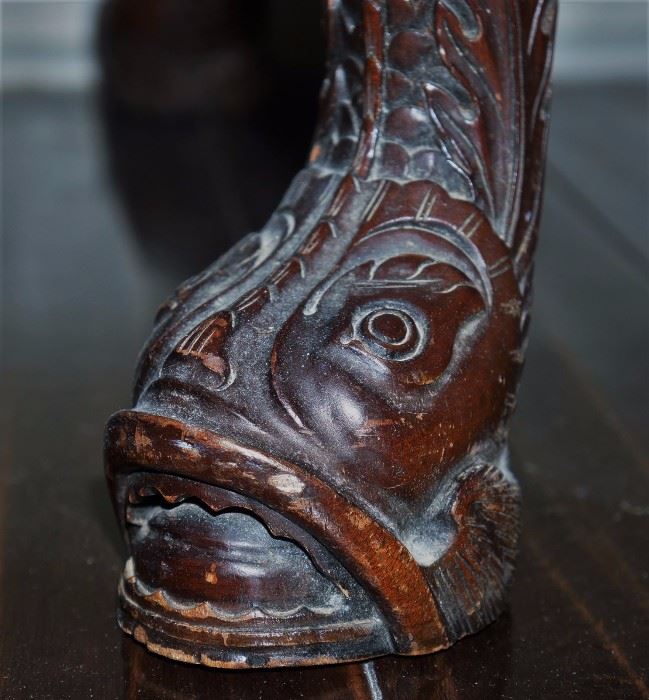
[{"x": 377, "y": 364}]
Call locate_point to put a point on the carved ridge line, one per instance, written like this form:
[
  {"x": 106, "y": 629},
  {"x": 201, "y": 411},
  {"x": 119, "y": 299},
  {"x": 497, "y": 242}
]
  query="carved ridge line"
[
  {"x": 376, "y": 201},
  {"x": 427, "y": 204},
  {"x": 209, "y": 609},
  {"x": 374, "y": 35}
]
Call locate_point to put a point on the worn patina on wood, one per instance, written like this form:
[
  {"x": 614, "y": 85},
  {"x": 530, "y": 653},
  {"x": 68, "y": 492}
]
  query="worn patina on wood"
[{"x": 316, "y": 469}]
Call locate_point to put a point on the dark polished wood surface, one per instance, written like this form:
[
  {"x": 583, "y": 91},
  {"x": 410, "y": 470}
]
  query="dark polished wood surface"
[{"x": 78, "y": 296}]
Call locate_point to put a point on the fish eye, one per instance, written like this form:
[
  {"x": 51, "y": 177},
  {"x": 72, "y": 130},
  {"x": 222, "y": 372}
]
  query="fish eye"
[
  {"x": 391, "y": 330},
  {"x": 391, "y": 327}
]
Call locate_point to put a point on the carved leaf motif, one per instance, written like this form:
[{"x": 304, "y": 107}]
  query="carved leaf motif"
[
  {"x": 538, "y": 19},
  {"x": 478, "y": 111}
]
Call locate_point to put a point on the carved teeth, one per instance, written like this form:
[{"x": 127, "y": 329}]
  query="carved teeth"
[
  {"x": 129, "y": 569},
  {"x": 207, "y": 610}
]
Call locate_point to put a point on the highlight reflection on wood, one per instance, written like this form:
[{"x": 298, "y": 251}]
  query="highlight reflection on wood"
[{"x": 316, "y": 466}]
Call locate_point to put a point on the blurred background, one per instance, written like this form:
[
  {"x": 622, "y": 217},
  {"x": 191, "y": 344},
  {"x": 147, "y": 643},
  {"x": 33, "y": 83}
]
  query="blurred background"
[
  {"x": 50, "y": 43},
  {"x": 141, "y": 138}
]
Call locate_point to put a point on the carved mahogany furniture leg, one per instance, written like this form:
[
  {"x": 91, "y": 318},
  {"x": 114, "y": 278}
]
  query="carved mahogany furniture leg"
[{"x": 316, "y": 466}]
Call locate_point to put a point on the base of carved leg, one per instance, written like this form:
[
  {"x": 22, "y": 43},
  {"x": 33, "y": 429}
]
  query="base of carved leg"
[
  {"x": 315, "y": 469},
  {"x": 220, "y": 645}
]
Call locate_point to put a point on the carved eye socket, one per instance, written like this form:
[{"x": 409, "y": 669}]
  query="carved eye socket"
[
  {"x": 390, "y": 327},
  {"x": 391, "y": 330}
]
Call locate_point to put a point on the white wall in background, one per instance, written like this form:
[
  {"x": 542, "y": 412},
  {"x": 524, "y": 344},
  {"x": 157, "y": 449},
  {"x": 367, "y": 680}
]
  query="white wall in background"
[
  {"x": 49, "y": 43},
  {"x": 602, "y": 39}
]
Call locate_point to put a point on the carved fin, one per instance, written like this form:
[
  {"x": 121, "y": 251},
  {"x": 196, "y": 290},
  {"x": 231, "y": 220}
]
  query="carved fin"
[
  {"x": 469, "y": 582},
  {"x": 478, "y": 111}
]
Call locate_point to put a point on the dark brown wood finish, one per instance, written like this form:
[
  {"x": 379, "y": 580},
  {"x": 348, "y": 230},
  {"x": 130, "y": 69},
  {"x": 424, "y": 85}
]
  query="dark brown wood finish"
[
  {"x": 316, "y": 467},
  {"x": 578, "y": 620}
]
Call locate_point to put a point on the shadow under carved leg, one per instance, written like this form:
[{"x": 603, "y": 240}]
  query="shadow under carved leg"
[{"x": 316, "y": 466}]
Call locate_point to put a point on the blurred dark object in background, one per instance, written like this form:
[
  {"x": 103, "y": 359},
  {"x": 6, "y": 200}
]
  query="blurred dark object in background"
[
  {"x": 169, "y": 56},
  {"x": 208, "y": 108}
]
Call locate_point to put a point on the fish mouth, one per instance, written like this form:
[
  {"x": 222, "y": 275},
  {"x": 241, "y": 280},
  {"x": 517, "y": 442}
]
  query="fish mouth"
[
  {"x": 241, "y": 560},
  {"x": 214, "y": 578}
]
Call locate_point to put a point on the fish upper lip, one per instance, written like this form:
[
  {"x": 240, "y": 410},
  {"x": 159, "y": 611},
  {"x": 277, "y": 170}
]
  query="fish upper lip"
[{"x": 184, "y": 439}]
